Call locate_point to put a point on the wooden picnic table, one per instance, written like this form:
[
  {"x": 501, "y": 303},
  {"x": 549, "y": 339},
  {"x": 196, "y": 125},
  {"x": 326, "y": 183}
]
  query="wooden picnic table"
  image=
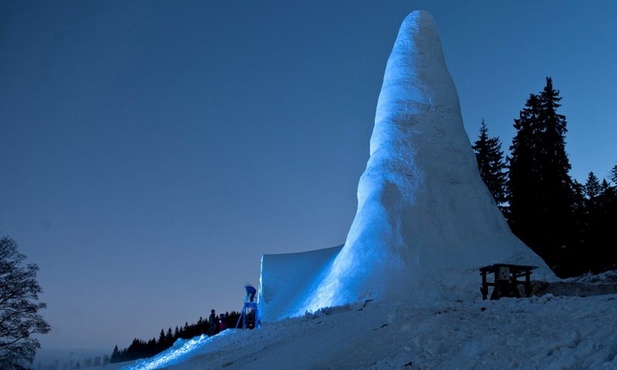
[{"x": 506, "y": 280}]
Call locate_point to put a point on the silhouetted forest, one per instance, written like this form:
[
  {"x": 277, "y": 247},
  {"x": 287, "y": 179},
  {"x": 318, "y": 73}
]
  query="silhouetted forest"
[
  {"x": 569, "y": 224},
  {"x": 147, "y": 348}
]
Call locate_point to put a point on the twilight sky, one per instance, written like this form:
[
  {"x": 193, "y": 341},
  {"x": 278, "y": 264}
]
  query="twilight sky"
[{"x": 152, "y": 151}]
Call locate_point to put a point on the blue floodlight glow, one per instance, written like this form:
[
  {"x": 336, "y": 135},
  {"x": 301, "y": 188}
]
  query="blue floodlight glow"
[{"x": 180, "y": 352}]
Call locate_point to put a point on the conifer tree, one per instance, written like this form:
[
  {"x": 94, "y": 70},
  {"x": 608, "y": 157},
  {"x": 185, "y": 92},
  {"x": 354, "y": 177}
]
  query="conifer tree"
[
  {"x": 541, "y": 196},
  {"x": 592, "y": 187},
  {"x": 614, "y": 174},
  {"x": 588, "y": 223},
  {"x": 523, "y": 178},
  {"x": 115, "y": 355},
  {"x": 491, "y": 164},
  {"x": 162, "y": 343},
  {"x": 605, "y": 224}
]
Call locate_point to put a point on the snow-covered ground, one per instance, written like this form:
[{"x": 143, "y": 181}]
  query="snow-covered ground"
[{"x": 545, "y": 331}]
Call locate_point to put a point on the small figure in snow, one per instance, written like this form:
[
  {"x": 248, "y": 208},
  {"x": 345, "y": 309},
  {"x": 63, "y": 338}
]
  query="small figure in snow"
[
  {"x": 213, "y": 320},
  {"x": 250, "y": 293}
]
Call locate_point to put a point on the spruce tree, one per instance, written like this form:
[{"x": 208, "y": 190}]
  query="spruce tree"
[
  {"x": 614, "y": 174},
  {"x": 592, "y": 187},
  {"x": 523, "y": 177},
  {"x": 115, "y": 355},
  {"x": 541, "y": 201},
  {"x": 169, "y": 337},
  {"x": 591, "y": 214},
  {"x": 491, "y": 164},
  {"x": 605, "y": 227},
  {"x": 162, "y": 343}
]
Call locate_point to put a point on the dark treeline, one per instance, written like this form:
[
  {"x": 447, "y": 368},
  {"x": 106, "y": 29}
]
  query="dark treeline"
[
  {"x": 147, "y": 348},
  {"x": 569, "y": 224}
]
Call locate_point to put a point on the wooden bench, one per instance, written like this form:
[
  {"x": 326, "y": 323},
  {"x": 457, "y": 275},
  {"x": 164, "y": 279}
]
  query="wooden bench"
[{"x": 505, "y": 280}]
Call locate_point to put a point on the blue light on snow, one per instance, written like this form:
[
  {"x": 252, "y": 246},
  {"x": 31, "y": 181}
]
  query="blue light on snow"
[{"x": 181, "y": 351}]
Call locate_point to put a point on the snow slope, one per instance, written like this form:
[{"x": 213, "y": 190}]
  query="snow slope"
[{"x": 541, "y": 332}]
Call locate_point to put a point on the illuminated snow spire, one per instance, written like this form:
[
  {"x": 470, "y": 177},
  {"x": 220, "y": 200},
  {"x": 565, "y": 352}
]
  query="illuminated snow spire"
[{"x": 425, "y": 220}]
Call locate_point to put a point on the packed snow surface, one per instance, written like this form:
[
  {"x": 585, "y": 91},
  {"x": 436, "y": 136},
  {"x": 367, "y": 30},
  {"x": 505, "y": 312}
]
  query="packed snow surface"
[{"x": 540, "y": 332}]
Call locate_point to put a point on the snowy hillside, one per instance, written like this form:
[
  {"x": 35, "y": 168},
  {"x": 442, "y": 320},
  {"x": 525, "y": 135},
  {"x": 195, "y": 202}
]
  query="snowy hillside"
[{"x": 541, "y": 332}]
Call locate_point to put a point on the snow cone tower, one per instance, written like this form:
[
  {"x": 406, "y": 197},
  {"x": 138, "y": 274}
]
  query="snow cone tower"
[{"x": 425, "y": 221}]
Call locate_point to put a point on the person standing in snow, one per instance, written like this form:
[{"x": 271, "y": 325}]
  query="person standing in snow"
[
  {"x": 214, "y": 324},
  {"x": 250, "y": 293}
]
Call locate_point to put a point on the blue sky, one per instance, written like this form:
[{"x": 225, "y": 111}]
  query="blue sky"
[{"x": 152, "y": 151}]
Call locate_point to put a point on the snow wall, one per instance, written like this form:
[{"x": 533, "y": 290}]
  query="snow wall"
[{"x": 425, "y": 220}]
